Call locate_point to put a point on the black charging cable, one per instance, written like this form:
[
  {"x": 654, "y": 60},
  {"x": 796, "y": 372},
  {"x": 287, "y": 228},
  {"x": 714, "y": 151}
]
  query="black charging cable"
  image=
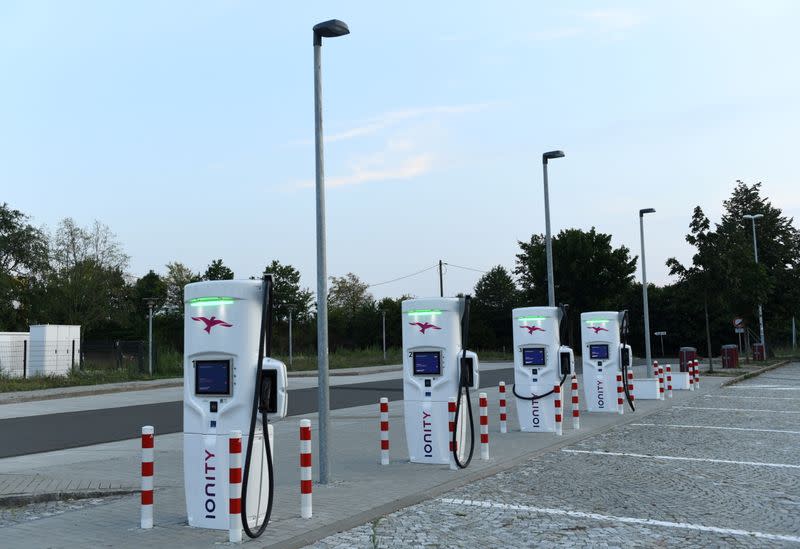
[
  {"x": 261, "y": 398},
  {"x": 463, "y": 388},
  {"x": 623, "y": 329}
]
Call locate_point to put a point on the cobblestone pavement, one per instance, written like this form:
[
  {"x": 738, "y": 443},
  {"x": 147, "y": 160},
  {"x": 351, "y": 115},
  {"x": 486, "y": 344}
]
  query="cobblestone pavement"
[
  {"x": 35, "y": 511},
  {"x": 738, "y": 484}
]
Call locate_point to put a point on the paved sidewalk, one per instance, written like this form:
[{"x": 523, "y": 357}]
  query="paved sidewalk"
[{"x": 361, "y": 491}]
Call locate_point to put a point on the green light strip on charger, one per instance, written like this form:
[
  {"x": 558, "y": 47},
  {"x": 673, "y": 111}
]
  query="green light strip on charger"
[
  {"x": 531, "y": 317},
  {"x": 424, "y": 312},
  {"x": 211, "y": 301},
  {"x": 597, "y": 320}
]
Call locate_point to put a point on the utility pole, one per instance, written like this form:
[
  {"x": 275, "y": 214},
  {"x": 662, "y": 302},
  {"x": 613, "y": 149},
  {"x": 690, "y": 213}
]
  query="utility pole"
[
  {"x": 291, "y": 309},
  {"x": 441, "y": 284}
]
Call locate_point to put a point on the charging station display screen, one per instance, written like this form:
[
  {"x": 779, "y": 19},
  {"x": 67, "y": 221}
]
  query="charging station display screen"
[
  {"x": 427, "y": 364},
  {"x": 598, "y": 352},
  {"x": 533, "y": 357},
  {"x": 212, "y": 377}
]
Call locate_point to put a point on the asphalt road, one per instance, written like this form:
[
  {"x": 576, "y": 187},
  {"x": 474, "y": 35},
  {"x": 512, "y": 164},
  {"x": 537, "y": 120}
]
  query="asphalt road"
[{"x": 45, "y": 433}]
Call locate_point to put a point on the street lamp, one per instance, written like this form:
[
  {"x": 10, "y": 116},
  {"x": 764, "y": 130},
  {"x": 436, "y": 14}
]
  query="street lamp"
[
  {"x": 753, "y": 217},
  {"x": 647, "y": 353},
  {"x": 551, "y": 291},
  {"x": 290, "y": 308},
  {"x": 327, "y": 29}
]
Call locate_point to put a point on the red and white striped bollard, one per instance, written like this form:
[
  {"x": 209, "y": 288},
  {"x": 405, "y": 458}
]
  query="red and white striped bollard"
[
  {"x": 384, "y": 431},
  {"x": 576, "y": 408},
  {"x": 559, "y": 409},
  {"x": 483, "y": 404},
  {"x": 630, "y": 383},
  {"x": 669, "y": 381},
  {"x": 235, "y": 484},
  {"x": 451, "y": 428},
  {"x": 696, "y": 374},
  {"x": 620, "y": 392},
  {"x": 148, "y": 447},
  {"x": 690, "y": 368},
  {"x": 503, "y": 413},
  {"x": 305, "y": 469},
  {"x": 661, "y": 383}
]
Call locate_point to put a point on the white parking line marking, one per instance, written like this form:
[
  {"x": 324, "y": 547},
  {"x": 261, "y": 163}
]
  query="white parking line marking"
[
  {"x": 680, "y": 458},
  {"x": 770, "y": 387},
  {"x": 754, "y": 398},
  {"x": 735, "y": 410},
  {"x": 715, "y": 427},
  {"x": 626, "y": 520}
]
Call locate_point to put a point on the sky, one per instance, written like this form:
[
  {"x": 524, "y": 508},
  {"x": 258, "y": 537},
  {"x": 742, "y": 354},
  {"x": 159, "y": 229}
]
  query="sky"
[{"x": 187, "y": 127}]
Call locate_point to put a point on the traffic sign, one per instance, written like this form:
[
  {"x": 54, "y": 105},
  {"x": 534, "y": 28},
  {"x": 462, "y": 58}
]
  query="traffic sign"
[
  {"x": 738, "y": 322},
  {"x": 661, "y": 333},
  {"x": 738, "y": 330}
]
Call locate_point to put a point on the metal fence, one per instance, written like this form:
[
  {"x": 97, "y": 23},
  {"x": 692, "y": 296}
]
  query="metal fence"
[{"x": 115, "y": 355}]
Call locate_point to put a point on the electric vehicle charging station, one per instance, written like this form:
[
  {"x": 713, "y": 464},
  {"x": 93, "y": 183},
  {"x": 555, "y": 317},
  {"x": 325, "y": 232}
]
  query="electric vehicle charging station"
[
  {"x": 437, "y": 367},
  {"x": 604, "y": 355},
  {"x": 540, "y": 363},
  {"x": 228, "y": 382}
]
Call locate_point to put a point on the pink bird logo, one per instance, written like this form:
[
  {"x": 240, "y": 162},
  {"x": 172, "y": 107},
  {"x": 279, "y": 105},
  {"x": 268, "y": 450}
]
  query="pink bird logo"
[
  {"x": 598, "y": 329},
  {"x": 532, "y": 329},
  {"x": 424, "y": 326},
  {"x": 211, "y": 322}
]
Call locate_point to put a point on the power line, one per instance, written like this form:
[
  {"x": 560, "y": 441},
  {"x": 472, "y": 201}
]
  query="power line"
[
  {"x": 403, "y": 277},
  {"x": 466, "y": 268}
]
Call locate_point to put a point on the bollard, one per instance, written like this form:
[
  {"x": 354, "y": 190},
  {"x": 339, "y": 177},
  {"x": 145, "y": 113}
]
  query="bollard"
[
  {"x": 305, "y": 468},
  {"x": 148, "y": 445},
  {"x": 697, "y": 374},
  {"x": 384, "y": 405},
  {"x": 669, "y": 381},
  {"x": 451, "y": 428},
  {"x": 620, "y": 395},
  {"x": 235, "y": 484},
  {"x": 503, "y": 414},
  {"x": 661, "y": 383},
  {"x": 559, "y": 409},
  {"x": 576, "y": 409},
  {"x": 655, "y": 368},
  {"x": 483, "y": 403},
  {"x": 630, "y": 384},
  {"x": 690, "y": 367}
]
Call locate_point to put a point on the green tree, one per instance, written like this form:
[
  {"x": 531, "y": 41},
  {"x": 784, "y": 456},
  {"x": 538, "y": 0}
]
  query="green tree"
[
  {"x": 495, "y": 296},
  {"x": 349, "y": 293},
  {"x": 23, "y": 262},
  {"x": 288, "y": 292},
  {"x": 178, "y": 276},
  {"x": 218, "y": 271},
  {"x": 589, "y": 274}
]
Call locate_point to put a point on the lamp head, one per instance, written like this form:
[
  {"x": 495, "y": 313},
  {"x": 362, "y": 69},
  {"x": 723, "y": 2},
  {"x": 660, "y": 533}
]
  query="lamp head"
[
  {"x": 329, "y": 29},
  {"x": 646, "y": 211},
  {"x": 552, "y": 154}
]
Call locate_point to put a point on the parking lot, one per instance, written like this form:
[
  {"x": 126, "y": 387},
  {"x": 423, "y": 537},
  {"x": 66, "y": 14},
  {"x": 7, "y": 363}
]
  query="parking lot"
[{"x": 720, "y": 470}]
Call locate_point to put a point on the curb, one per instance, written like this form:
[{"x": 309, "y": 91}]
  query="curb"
[
  {"x": 754, "y": 373},
  {"x": 16, "y": 500}
]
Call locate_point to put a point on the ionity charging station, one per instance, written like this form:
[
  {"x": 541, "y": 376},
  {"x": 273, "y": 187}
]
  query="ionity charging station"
[
  {"x": 437, "y": 367},
  {"x": 605, "y": 354},
  {"x": 229, "y": 381},
  {"x": 540, "y": 363}
]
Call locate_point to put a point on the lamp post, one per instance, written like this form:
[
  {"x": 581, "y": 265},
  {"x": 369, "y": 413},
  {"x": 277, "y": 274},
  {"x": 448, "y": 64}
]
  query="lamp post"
[
  {"x": 551, "y": 291},
  {"x": 151, "y": 301},
  {"x": 383, "y": 314},
  {"x": 647, "y": 353},
  {"x": 327, "y": 29},
  {"x": 290, "y": 308},
  {"x": 753, "y": 217}
]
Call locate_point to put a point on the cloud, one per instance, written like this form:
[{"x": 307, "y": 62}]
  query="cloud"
[
  {"x": 398, "y": 160},
  {"x": 393, "y": 118}
]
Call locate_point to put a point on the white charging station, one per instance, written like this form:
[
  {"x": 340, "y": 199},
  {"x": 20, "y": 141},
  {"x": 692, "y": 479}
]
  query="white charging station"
[
  {"x": 540, "y": 363},
  {"x": 432, "y": 358},
  {"x": 221, "y": 343},
  {"x": 602, "y": 358}
]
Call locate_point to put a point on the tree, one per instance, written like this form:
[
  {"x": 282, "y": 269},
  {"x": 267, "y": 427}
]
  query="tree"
[
  {"x": 589, "y": 274},
  {"x": 495, "y": 296},
  {"x": 288, "y": 293},
  {"x": 348, "y": 293},
  {"x": 178, "y": 276},
  {"x": 23, "y": 262},
  {"x": 218, "y": 271},
  {"x": 86, "y": 283}
]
